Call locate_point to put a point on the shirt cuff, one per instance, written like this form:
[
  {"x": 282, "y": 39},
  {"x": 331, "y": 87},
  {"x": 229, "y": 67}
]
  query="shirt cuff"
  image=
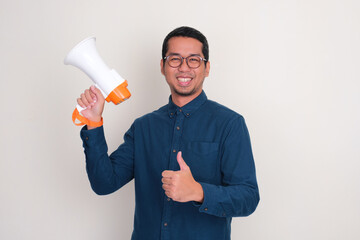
[
  {"x": 210, "y": 205},
  {"x": 93, "y": 137}
]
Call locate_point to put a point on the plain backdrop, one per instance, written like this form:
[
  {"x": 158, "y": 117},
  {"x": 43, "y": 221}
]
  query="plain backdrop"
[{"x": 291, "y": 68}]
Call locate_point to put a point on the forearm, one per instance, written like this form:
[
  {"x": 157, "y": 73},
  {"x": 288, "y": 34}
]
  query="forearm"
[
  {"x": 103, "y": 176},
  {"x": 229, "y": 201}
]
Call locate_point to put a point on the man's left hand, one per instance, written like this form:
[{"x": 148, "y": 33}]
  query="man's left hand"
[{"x": 180, "y": 185}]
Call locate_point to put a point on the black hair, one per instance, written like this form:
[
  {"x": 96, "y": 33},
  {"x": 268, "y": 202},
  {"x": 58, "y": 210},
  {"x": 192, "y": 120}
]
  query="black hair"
[{"x": 187, "y": 32}]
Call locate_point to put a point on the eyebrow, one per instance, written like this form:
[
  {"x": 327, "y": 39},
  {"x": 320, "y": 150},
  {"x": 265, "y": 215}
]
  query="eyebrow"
[{"x": 193, "y": 54}]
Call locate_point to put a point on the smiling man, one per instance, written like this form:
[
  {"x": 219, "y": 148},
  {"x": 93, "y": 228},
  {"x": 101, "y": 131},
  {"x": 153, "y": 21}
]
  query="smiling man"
[
  {"x": 185, "y": 80},
  {"x": 191, "y": 159}
]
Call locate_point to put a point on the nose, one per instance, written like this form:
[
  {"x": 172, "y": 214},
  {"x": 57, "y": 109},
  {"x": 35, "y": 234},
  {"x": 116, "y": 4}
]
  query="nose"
[{"x": 184, "y": 66}]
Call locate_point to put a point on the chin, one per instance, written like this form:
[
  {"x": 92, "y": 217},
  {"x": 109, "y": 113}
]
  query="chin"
[{"x": 184, "y": 94}]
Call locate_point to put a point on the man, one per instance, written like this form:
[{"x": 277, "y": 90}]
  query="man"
[{"x": 191, "y": 159}]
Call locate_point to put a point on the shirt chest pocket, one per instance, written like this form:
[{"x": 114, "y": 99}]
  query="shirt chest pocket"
[{"x": 203, "y": 159}]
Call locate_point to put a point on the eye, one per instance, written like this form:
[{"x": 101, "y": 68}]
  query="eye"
[
  {"x": 175, "y": 59},
  {"x": 194, "y": 59}
]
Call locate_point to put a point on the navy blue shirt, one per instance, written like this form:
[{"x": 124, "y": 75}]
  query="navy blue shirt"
[{"x": 215, "y": 144}]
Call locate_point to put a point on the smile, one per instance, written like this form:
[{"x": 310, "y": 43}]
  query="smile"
[{"x": 184, "y": 80}]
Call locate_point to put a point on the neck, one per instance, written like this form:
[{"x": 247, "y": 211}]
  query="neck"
[{"x": 181, "y": 101}]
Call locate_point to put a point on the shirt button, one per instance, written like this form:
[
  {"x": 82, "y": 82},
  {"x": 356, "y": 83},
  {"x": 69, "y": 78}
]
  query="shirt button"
[
  {"x": 165, "y": 224},
  {"x": 168, "y": 199},
  {"x": 174, "y": 151},
  {"x": 187, "y": 114},
  {"x": 87, "y": 138},
  {"x": 206, "y": 209},
  {"x": 180, "y": 110},
  {"x": 178, "y": 128}
]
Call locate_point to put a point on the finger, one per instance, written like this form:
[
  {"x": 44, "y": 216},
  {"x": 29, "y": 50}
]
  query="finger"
[
  {"x": 166, "y": 187},
  {"x": 96, "y": 92},
  {"x": 168, "y": 194},
  {"x": 80, "y": 103},
  {"x": 182, "y": 163},
  {"x": 167, "y": 173},
  {"x": 166, "y": 180},
  {"x": 84, "y": 100},
  {"x": 93, "y": 96},
  {"x": 88, "y": 97}
]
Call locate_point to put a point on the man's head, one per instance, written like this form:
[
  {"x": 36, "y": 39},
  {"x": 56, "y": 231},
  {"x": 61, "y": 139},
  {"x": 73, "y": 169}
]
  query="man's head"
[
  {"x": 190, "y": 33},
  {"x": 185, "y": 63}
]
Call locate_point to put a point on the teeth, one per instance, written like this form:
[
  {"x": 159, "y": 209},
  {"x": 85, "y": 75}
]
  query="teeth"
[{"x": 184, "y": 79}]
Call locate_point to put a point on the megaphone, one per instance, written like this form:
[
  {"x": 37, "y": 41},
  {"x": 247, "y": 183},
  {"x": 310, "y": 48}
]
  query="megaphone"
[{"x": 85, "y": 57}]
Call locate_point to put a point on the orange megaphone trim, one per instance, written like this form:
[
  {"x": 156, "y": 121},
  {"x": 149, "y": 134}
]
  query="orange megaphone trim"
[
  {"x": 83, "y": 120},
  {"x": 119, "y": 94}
]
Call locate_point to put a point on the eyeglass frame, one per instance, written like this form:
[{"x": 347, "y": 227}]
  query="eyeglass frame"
[{"x": 182, "y": 60}]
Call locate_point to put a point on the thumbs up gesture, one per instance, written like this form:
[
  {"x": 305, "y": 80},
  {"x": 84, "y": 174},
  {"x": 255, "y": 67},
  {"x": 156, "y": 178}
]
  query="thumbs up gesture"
[{"x": 180, "y": 185}]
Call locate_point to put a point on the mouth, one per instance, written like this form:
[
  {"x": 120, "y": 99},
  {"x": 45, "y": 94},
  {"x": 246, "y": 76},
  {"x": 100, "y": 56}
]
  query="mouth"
[{"x": 184, "y": 81}]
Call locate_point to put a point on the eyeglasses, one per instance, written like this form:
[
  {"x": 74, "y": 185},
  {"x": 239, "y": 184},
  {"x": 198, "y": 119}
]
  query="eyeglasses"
[{"x": 175, "y": 60}]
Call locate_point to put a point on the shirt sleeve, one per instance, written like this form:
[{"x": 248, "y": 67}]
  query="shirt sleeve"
[
  {"x": 107, "y": 173},
  {"x": 238, "y": 195}
]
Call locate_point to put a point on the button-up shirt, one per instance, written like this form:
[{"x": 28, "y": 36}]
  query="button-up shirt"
[{"x": 215, "y": 144}]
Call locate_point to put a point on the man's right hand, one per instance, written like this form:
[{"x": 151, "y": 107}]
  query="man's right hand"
[{"x": 93, "y": 100}]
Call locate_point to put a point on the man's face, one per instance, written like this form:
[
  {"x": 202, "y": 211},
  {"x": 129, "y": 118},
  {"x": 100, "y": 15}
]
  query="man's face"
[{"x": 185, "y": 81}]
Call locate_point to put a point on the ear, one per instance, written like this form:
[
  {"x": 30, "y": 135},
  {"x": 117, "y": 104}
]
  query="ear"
[
  {"x": 162, "y": 67},
  {"x": 207, "y": 69}
]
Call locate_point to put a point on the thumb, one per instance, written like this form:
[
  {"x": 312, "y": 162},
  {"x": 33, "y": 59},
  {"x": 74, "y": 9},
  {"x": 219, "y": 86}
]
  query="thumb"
[{"x": 182, "y": 163}]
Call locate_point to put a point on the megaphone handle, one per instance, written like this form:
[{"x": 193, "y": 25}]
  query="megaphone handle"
[{"x": 83, "y": 120}]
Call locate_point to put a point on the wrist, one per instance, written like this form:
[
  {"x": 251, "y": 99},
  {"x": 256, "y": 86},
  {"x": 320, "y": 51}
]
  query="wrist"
[
  {"x": 199, "y": 193},
  {"x": 91, "y": 124},
  {"x": 96, "y": 119}
]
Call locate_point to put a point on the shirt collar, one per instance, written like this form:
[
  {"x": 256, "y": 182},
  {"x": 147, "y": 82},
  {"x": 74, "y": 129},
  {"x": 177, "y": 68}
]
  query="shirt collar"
[{"x": 189, "y": 108}]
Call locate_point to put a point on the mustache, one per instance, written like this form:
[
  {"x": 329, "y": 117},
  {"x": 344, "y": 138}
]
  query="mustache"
[{"x": 184, "y": 75}]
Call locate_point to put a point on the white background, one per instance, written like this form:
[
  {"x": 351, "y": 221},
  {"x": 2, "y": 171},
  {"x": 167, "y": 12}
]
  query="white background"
[{"x": 291, "y": 68}]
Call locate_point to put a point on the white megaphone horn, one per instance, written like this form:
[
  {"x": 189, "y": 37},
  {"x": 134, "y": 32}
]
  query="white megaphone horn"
[{"x": 85, "y": 57}]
